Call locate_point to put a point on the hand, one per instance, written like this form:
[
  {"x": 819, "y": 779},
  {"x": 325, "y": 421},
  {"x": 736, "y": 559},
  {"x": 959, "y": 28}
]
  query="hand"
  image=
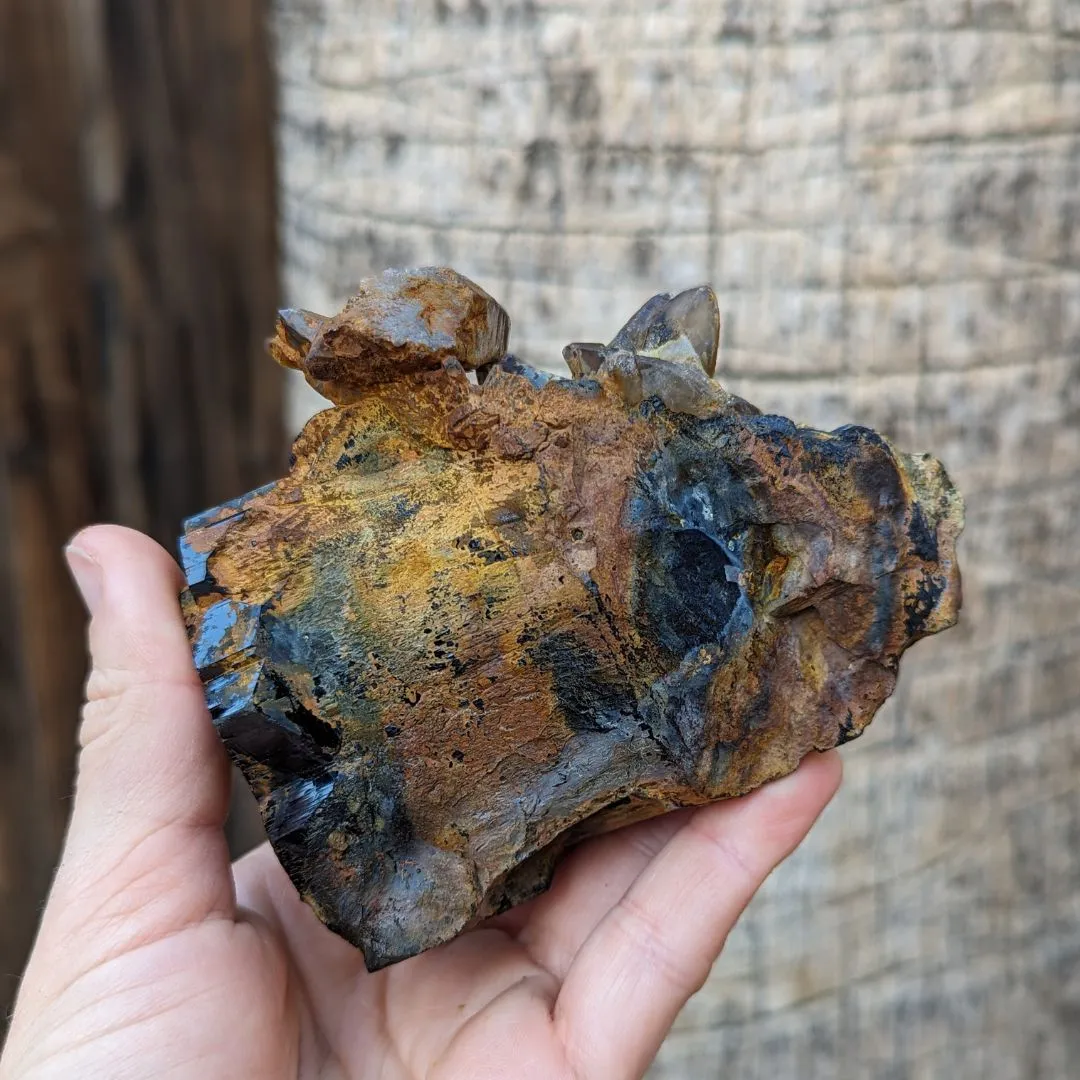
[{"x": 156, "y": 958}]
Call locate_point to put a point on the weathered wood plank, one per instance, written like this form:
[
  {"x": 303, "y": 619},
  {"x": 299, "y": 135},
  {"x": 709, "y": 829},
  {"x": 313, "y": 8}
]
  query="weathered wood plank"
[
  {"x": 137, "y": 278},
  {"x": 45, "y": 432}
]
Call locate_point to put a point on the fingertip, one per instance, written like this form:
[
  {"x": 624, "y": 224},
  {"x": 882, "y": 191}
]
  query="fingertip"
[
  {"x": 786, "y": 809},
  {"x": 112, "y": 546},
  {"x": 818, "y": 777},
  {"x": 816, "y": 780},
  {"x": 87, "y": 574},
  {"x": 132, "y": 587},
  {"x": 781, "y": 812},
  {"x": 830, "y": 763}
]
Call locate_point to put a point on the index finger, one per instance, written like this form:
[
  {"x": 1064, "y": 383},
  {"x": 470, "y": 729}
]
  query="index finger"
[{"x": 657, "y": 944}]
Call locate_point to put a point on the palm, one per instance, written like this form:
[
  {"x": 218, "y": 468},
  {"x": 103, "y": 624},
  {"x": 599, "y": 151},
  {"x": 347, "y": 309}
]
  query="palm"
[
  {"x": 156, "y": 958},
  {"x": 486, "y": 1001}
]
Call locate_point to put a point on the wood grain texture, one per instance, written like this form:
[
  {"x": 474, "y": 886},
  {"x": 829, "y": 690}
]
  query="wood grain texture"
[
  {"x": 45, "y": 433},
  {"x": 137, "y": 281},
  {"x": 885, "y": 197}
]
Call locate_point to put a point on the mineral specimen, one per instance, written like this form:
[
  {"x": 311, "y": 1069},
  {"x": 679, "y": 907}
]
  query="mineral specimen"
[{"x": 481, "y": 620}]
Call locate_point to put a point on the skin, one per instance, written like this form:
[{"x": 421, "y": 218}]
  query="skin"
[{"x": 157, "y": 958}]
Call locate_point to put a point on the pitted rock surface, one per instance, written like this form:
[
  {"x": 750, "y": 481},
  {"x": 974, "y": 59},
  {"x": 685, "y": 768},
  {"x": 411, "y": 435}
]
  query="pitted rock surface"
[{"x": 480, "y": 621}]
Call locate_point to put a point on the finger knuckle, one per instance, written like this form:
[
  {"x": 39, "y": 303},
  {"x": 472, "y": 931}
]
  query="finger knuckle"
[
  {"x": 732, "y": 855},
  {"x": 115, "y": 693}
]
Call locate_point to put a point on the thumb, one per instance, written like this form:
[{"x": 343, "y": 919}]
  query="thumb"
[{"x": 151, "y": 796}]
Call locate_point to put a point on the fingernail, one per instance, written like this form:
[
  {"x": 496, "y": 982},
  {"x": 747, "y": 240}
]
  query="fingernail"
[{"x": 86, "y": 571}]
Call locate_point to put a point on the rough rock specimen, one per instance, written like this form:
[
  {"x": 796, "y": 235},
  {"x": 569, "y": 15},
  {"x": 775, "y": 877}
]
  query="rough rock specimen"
[{"x": 479, "y": 621}]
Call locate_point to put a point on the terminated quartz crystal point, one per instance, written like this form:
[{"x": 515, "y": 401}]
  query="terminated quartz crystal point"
[{"x": 480, "y": 621}]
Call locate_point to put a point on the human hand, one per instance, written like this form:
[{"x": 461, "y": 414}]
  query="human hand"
[{"x": 156, "y": 958}]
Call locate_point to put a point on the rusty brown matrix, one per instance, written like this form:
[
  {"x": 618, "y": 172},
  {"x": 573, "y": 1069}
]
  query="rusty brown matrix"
[{"x": 490, "y": 612}]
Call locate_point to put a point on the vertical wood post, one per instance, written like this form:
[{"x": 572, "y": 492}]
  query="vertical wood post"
[{"x": 138, "y": 277}]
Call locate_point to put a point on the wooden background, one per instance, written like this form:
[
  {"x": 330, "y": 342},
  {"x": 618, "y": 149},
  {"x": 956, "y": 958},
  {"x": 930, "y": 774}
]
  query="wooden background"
[
  {"x": 138, "y": 277},
  {"x": 886, "y": 195}
]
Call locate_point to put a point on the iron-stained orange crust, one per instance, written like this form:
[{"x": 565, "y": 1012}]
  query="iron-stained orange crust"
[{"x": 479, "y": 621}]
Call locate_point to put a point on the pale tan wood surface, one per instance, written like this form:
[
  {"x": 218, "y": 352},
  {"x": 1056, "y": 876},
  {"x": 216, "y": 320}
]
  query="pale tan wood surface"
[{"x": 886, "y": 196}]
